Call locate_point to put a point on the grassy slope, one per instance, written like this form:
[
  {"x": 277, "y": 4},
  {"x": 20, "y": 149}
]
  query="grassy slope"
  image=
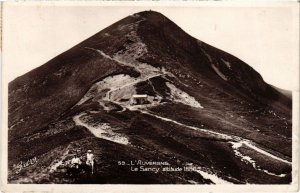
[{"x": 151, "y": 140}]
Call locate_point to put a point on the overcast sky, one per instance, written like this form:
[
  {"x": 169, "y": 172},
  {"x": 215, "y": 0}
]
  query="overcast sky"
[{"x": 266, "y": 38}]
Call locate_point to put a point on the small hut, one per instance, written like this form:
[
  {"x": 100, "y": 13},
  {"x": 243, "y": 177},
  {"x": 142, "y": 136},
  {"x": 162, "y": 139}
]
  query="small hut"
[{"x": 139, "y": 99}]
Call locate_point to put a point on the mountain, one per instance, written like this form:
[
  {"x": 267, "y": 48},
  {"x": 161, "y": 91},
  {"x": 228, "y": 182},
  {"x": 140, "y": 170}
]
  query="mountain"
[{"x": 199, "y": 109}]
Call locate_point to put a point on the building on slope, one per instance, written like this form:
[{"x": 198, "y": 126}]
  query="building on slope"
[{"x": 139, "y": 99}]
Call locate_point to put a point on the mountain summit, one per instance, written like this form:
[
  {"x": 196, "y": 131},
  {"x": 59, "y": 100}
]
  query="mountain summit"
[{"x": 143, "y": 89}]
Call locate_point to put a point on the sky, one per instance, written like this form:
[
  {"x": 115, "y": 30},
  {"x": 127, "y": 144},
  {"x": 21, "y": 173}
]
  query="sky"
[{"x": 265, "y": 37}]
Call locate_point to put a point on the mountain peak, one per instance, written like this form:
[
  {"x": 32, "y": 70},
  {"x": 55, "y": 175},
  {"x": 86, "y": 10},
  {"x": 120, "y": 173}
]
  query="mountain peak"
[
  {"x": 149, "y": 13},
  {"x": 152, "y": 15}
]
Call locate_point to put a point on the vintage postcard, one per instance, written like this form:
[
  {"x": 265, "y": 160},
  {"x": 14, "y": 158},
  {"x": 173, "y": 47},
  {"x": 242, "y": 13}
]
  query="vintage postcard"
[{"x": 173, "y": 96}]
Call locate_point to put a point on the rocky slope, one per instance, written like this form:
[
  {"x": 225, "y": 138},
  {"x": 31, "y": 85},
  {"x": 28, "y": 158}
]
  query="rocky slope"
[{"x": 206, "y": 110}]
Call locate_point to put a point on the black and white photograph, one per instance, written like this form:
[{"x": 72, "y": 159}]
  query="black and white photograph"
[{"x": 150, "y": 95}]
